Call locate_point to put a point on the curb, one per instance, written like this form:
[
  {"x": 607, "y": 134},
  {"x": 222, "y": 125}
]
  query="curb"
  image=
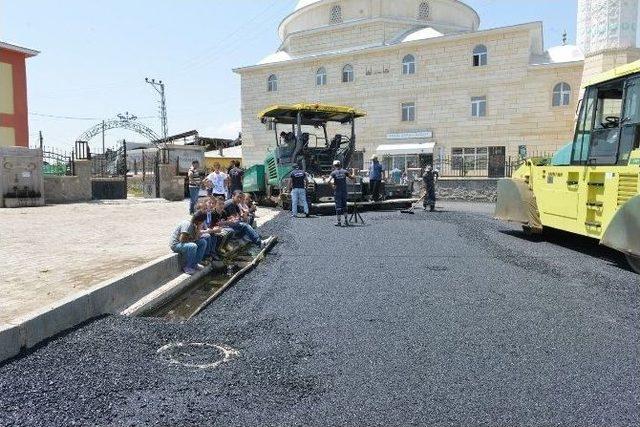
[
  {"x": 113, "y": 296},
  {"x": 108, "y": 297},
  {"x": 170, "y": 290}
]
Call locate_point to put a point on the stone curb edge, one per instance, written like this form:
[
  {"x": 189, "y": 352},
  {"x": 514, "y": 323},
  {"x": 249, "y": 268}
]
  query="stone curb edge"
[{"x": 108, "y": 297}]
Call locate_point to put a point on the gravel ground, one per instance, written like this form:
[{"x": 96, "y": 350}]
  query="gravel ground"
[{"x": 448, "y": 318}]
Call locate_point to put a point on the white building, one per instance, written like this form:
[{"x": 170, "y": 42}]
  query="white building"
[{"x": 429, "y": 79}]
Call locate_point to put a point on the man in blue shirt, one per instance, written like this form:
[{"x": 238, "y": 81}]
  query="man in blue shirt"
[
  {"x": 297, "y": 185},
  {"x": 375, "y": 178},
  {"x": 339, "y": 177}
]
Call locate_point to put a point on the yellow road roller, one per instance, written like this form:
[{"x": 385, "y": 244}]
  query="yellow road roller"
[{"x": 589, "y": 187}]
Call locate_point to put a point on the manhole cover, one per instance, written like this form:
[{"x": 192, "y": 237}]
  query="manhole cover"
[{"x": 197, "y": 355}]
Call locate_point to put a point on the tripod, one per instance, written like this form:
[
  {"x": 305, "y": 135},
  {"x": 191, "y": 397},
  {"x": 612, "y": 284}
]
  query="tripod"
[{"x": 355, "y": 215}]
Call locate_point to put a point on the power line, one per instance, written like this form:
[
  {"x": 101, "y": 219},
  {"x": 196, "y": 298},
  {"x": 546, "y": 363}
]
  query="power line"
[
  {"x": 53, "y": 116},
  {"x": 204, "y": 58}
]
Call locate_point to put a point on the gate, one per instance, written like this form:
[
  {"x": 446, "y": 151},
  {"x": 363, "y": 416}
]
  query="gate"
[
  {"x": 144, "y": 165},
  {"x": 108, "y": 171}
]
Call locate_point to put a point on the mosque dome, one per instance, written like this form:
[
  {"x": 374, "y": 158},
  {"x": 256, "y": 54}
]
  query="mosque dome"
[
  {"x": 402, "y": 16},
  {"x": 304, "y": 3}
]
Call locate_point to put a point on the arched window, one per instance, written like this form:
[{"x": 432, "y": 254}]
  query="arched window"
[
  {"x": 479, "y": 55},
  {"x": 335, "y": 15},
  {"x": 408, "y": 65},
  {"x": 423, "y": 11},
  {"x": 561, "y": 94},
  {"x": 321, "y": 77},
  {"x": 347, "y": 74},
  {"x": 272, "y": 83}
]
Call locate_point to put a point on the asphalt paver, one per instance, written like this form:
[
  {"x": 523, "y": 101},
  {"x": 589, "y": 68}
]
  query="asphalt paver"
[{"x": 444, "y": 318}]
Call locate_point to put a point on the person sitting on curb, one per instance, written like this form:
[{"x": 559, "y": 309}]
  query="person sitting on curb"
[
  {"x": 186, "y": 240},
  {"x": 245, "y": 212},
  {"x": 251, "y": 210},
  {"x": 210, "y": 232},
  {"x": 233, "y": 220}
]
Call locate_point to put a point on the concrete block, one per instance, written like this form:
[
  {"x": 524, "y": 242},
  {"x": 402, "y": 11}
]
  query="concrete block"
[{"x": 10, "y": 344}]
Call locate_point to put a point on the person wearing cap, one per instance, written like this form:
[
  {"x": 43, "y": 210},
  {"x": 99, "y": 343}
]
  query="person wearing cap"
[
  {"x": 297, "y": 187},
  {"x": 429, "y": 180},
  {"x": 339, "y": 177},
  {"x": 375, "y": 178}
]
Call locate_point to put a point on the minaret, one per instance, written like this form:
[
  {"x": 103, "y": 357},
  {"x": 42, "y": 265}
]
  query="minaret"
[{"x": 607, "y": 34}]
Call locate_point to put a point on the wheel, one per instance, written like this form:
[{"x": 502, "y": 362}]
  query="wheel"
[{"x": 634, "y": 262}]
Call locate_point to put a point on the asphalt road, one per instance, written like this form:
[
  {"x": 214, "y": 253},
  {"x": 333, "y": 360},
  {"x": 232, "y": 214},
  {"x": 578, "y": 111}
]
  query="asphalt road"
[{"x": 449, "y": 318}]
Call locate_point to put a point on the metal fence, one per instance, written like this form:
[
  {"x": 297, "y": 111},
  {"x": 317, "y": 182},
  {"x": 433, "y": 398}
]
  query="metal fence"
[
  {"x": 57, "y": 162},
  {"x": 111, "y": 163},
  {"x": 481, "y": 167}
]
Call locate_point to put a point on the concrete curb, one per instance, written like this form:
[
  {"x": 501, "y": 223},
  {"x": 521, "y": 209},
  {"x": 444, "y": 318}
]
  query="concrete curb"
[
  {"x": 173, "y": 288},
  {"x": 109, "y": 297},
  {"x": 165, "y": 293}
]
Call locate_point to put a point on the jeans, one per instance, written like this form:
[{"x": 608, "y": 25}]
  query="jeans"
[
  {"x": 193, "y": 198},
  {"x": 193, "y": 252},
  {"x": 375, "y": 189},
  {"x": 242, "y": 229},
  {"x": 299, "y": 197},
  {"x": 212, "y": 242},
  {"x": 341, "y": 202}
]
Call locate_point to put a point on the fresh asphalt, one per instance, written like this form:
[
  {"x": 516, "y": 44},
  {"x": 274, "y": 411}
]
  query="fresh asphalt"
[{"x": 446, "y": 318}]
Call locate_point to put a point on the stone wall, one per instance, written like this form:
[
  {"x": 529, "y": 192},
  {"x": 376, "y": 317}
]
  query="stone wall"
[
  {"x": 69, "y": 189},
  {"x": 519, "y": 95},
  {"x": 171, "y": 185},
  {"x": 471, "y": 190}
]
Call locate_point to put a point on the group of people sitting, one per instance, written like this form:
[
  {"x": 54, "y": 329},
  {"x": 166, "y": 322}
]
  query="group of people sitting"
[{"x": 214, "y": 219}]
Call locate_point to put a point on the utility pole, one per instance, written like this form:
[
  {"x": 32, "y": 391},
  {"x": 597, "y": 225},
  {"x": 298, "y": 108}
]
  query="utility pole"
[
  {"x": 40, "y": 139},
  {"x": 159, "y": 87}
]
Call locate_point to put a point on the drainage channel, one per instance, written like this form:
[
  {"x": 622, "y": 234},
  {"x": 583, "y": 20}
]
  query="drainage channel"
[{"x": 193, "y": 299}]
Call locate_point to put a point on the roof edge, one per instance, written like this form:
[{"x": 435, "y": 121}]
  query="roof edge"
[
  {"x": 15, "y": 48},
  {"x": 446, "y": 37}
]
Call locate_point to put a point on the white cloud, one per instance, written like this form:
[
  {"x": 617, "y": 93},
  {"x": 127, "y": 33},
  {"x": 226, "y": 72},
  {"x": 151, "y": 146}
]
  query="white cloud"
[{"x": 226, "y": 130}]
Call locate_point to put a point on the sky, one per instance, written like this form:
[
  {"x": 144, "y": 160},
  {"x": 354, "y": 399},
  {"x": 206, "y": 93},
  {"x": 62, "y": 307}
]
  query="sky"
[{"x": 95, "y": 56}]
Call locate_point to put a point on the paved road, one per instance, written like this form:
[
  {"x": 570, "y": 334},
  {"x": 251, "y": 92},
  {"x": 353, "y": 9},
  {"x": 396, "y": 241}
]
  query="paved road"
[{"x": 446, "y": 318}]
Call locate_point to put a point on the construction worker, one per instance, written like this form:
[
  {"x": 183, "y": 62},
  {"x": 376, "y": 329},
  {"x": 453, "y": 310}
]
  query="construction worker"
[
  {"x": 297, "y": 188},
  {"x": 339, "y": 177},
  {"x": 429, "y": 180},
  {"x": 375, "y": 178}
]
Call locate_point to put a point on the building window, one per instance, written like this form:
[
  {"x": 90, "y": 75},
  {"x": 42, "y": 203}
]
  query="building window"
[
  {"x": 335, "y": 15},
  {"x": 423, "y": 11},
  {"x": 408, "y": 65},
  {"x": 480, "y": 55},
  {"x": 321, "y": 77},
  {"x": 468, "y": 159},
  {"x": 408, "y": 112},
  {"x": 479, "y": 106},
  {"x": 272, "y": 83},
  {"x": 347, "y": 74},
  {"x": 561, "y": 94}
]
